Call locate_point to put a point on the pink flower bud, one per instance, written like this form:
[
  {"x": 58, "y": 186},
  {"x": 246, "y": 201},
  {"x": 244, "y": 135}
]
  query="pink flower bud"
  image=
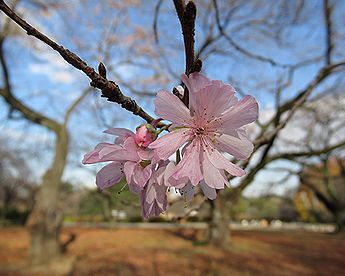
[{"x": 145, "y": 135}]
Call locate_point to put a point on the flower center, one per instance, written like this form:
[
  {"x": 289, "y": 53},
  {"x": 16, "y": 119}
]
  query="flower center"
[{"x": 200, "y": 131}]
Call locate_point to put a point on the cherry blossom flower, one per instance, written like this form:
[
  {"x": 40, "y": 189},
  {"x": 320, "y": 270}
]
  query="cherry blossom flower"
[
  {"x": 127, "y": 159},
  {"x": 214, "y": 123}
]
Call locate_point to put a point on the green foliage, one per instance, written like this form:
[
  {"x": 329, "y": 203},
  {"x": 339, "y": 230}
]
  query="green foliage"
[
  {"x": 14, "y": 216},
  {"x": 91, "y": 203},
  {"x": 95, "y": 203},
  {"x": 266, "y": 207}
]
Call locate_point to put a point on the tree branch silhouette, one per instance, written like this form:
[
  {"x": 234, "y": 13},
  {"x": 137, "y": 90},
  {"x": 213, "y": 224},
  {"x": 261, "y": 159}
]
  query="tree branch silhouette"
[{"x": 110, "y": 90}]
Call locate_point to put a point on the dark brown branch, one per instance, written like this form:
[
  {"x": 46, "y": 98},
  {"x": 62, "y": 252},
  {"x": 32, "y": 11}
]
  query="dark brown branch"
[
  {"x": 260, "y": 165},
  {"x": 186, "y": 15},
  {"x": 110, "y": 90},
  {"x": 71, "y": 238},
  {"x": 331, "y": 206},
  {"x": 15, "y": 104},
  {"x": 327, "y": 9}
]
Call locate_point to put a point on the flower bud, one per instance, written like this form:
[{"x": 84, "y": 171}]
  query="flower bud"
[{"x": 145, "y": 135}]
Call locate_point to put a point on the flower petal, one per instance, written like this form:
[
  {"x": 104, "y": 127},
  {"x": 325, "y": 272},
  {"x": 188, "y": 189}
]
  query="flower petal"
[
  {"x": 220, "y": 162},
  {"x": 129, "y": 152},
  {"x": 195, "y": 82},
  {"x": 170, "y": 181},
  {"x": 108, "y": 149},
  {"x": 171, "y": 108},
  {"x": 240, "y": 148},
  {"x": 242, "y": 113},
  {"x": 153, "y": 199},
  {"x": 189, "y": 167},
  {"x": 168, "y": 144},
  {"x": 209, "y": 192},
  {"x": 109, "y": 175},
  {"x": 118, "y": 131},
  {"x": 93, "y": 156},
  {"x": 141, "y": 175},
  {"x": 128, "y": 170},
  {"x": 212, "y": 176},
  {"x": 187, "y": 192},
  {"x": 213, "y": 100},
  {"x": 122, "y": 155},
  {"x": 145, "y": 154},
  {"x": 122, "y": 134}
]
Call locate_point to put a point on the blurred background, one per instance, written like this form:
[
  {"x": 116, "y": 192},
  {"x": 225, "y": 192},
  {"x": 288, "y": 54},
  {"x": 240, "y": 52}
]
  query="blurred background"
[{"x": 285, "y": 217}]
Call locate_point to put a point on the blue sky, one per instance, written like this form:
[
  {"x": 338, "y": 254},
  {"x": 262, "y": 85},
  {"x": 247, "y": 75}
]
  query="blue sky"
[{"x": 47, "y": 84}]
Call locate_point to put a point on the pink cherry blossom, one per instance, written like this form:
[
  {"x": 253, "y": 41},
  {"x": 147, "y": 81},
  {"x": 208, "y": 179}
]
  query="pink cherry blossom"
[
  {"x": 145, "y": 134},
  {"x": 128, "y": 159},
  {"x": 214, "y": 123},
  {"x": 153, "y": 197}
]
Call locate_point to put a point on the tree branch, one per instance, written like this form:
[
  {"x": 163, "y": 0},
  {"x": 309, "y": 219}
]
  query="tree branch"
[
  {"x": 327, "y": 10},
  {"x": 110, "y": 90},
  {"x": 27, "y": 112},
  {"x": 309, "y": 153},
  {"x": 155, "y": 20},
  {"x": 295, "y": 103},
  {"x": 76, "y": 102},
  {"x": 238, "y": 47},
  {"x": 186, "y": 15}
]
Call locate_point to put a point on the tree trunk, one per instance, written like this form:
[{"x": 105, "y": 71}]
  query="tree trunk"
[
  {"x": 339, "y": 220},
  {"x": 45, "y": 221},
  {"x": 218, "y": 233},
  {"x": 3, "y": 213},
  {"x": 106, "y": 209}
]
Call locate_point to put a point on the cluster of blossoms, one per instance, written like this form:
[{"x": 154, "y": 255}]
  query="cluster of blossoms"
[{"x": 213, "y": 124}]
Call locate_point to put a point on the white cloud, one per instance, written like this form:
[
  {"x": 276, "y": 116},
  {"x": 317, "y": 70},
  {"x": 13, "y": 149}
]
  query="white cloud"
[
  {"x": 50, "y": 63},
  {"x": 54, "y": 73},
  {"x": 19, "y": 135}
]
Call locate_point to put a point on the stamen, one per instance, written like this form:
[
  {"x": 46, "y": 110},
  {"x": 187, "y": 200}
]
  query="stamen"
[{"x": 121, "y": 190}]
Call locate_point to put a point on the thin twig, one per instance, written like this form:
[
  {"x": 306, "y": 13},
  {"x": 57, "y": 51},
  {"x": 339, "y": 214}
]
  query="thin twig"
[
  {"x": 238, "y": 47},
  {"x": 155, "y": 21},
  {"x": 298, "y": 101}
]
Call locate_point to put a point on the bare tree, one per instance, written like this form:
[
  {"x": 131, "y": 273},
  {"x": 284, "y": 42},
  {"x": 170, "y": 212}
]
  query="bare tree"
[
  {"x": 45, "y": 219},
  {"x": 323, "y": 176}
]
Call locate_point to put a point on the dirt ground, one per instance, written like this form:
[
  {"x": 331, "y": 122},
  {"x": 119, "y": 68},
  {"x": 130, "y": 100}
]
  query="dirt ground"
[{"x": 168, "y": 252}]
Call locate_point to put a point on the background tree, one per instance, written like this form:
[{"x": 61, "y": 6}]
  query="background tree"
[
  {"x": 45, "y": 219},
  {"x": 16, "y": 187}
]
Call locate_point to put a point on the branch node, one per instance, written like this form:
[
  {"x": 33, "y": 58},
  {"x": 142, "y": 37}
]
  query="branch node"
[
  {"x": 196, "y": 66},
  {"x": 102, "y": 70}
]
